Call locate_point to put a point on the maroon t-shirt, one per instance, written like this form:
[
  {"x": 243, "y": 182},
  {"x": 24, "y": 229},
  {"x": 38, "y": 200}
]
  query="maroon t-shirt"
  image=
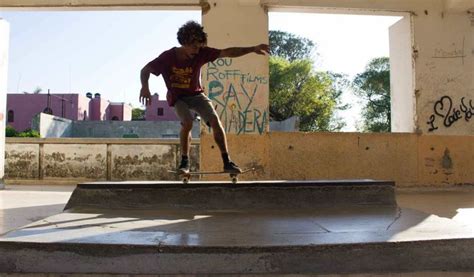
[{"x": 182, "y": 78}]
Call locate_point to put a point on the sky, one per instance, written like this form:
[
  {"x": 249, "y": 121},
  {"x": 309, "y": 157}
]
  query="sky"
[{"x": 104, "y": 51}]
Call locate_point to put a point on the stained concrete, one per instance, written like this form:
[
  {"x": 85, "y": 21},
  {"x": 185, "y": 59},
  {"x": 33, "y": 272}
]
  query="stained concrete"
[{"x": 279, "y": 195}]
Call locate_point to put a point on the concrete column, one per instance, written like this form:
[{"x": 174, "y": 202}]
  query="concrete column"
[
  {"x": 4, "y": 39},
  {"x": 444, "y": 70},
  {"x": 402, "y": 96},
  {"x": 238, "y": 86}
]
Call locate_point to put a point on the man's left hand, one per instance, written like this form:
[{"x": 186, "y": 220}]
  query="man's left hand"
[{"x": 262, "y": 49}]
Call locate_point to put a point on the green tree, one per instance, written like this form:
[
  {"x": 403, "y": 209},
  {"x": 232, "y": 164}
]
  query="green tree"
[
  {"x": 138, "y": 114},
  {"x": 289, "y": 46},
  {"x": 296, "y": 90},
  {"x": 373, "y": 85}
]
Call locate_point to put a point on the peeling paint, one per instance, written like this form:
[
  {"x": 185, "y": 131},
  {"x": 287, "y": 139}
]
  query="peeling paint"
[
  {"x": 20, "y": 164},
  {"x": 140, "y": 164}
]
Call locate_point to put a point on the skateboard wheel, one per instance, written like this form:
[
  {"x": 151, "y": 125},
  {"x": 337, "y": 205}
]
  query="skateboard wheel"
[
  {"x": 234, "y": 180},
  {"x": 186, "y": 180}
]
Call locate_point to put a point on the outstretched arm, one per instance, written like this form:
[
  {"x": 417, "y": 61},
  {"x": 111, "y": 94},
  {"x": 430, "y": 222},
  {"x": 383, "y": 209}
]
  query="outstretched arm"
[
  {"x": 235, "y": 52},
  {"x": 145, "y": 95}
]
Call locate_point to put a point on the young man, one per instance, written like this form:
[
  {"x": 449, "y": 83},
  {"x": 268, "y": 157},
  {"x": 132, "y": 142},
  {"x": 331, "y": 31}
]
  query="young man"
[{"x": 181, "y": 70}]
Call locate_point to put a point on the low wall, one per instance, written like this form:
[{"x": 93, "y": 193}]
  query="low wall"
[
  {"x": 407, "y": 159},
  {"x": 57, "y": 127},
  {"x": 72, "y": 160},
  {"x": 138, "y": 129}
]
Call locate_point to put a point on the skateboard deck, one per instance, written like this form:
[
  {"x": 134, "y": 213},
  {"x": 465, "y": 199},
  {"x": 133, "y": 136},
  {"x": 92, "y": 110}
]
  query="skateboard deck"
[{"x": 187, "y": 176}]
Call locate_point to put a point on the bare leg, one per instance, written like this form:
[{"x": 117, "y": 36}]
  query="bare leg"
[
  {"x": 185, "y": 137},
  {"x": 219, "y": 135},
  {"x": 221, "y": 141}
]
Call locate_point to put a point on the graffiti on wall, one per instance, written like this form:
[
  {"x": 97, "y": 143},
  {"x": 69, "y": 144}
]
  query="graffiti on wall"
[
  {"x": 235, "y": 95},
  {"x": 447, "y": 113}
]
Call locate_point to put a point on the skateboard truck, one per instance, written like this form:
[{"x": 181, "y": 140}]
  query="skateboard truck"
[{"x": 186, "y": 177}]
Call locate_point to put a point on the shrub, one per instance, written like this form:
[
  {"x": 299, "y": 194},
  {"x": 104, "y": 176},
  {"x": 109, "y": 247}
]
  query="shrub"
[
  {"x": 10, "y": 131},
  {"x": 28, "y": 133}
]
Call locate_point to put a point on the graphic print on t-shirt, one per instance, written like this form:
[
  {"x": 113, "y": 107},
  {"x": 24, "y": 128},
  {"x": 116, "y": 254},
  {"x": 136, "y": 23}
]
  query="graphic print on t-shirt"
[{"x": 181, "y": 77}]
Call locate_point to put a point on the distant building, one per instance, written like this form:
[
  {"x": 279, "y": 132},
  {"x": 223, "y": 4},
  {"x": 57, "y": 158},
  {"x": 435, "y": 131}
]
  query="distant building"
[
  {"x": 21, "y": 108},
  {"x": 159, "y": 110}
]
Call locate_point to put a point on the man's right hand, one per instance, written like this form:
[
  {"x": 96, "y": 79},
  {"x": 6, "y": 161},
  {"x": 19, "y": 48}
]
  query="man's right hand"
[{"x": 145, "y": 96}]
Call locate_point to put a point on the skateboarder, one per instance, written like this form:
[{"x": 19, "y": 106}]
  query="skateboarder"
[{"x": 181, "y": 70}]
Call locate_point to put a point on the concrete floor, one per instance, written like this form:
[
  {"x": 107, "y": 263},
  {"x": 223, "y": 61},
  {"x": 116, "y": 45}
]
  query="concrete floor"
[
  {"x": 21, "y": 205},
  {"x": 421, "y": 210}
]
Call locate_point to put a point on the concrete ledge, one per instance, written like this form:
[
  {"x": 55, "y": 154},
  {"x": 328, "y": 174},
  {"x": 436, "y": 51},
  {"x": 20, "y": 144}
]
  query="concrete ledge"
[
  {"x": 447, "y": 255},
  {"x": 222, "y": 195}
]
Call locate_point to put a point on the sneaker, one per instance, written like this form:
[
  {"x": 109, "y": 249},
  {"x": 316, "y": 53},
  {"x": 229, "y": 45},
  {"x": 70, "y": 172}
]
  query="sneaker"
[
  {"x": 231, "y": 167},
  {"x": 184, "y": 166}
]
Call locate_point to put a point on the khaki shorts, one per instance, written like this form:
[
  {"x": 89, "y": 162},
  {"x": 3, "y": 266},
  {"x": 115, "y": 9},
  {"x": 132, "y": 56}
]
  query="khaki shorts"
[{"x": 199, "y": 103}]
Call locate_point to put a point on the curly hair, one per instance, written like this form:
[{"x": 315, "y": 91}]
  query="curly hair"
[{"x": 191, "y": 32}]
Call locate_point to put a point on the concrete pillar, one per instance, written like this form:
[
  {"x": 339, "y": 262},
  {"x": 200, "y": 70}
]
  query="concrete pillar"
[
  {"x": 4, "y": 39},
  {"x": 238, "y": 86},
  {"x": 444, "y": 70},
  {"x": 402, "y": 87}
]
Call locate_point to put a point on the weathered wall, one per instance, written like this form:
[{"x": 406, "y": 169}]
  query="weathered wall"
[
  {"x": 75, "y": 160},
  {"x": 444, "y": 73},
  {"x": 119, "y": 129},
  {"x": 238, "y": 86},
  {"x": 4, "y": 39},
  {"x": 22, "y": 161},
  {"x": 407, "y": 159}
]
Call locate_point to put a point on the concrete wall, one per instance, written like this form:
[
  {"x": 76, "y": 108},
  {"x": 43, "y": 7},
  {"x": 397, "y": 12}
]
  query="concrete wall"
[
  {"x": 444, "y": 73},
  {"x": 55, "y": 127},
  {"x": 4, "y": 39},
  {"x": 50, "y": 126},
  {"x": 120, "y": 129},
  {"x": 238, "y": 86},
  {"x": 75, "y": 160},
  {"x": 289, "y": 125},
  {"x": 407, "y": 159}
]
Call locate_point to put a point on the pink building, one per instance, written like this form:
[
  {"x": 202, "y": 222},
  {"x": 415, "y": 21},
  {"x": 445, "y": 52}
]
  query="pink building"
[
  {"x": 159, "y": 110},
  {"x": 21, "y": 108},
  {"x": 119, "y": 111}
]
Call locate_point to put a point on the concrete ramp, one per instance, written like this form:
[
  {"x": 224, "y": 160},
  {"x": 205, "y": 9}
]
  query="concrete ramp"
[
  {"x": 279, "y": 195},
  {"x": 310, "y": 227}
]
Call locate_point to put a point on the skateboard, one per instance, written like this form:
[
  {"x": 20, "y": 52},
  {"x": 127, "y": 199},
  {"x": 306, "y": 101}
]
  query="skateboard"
[{"x": 187, "y": 176}]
